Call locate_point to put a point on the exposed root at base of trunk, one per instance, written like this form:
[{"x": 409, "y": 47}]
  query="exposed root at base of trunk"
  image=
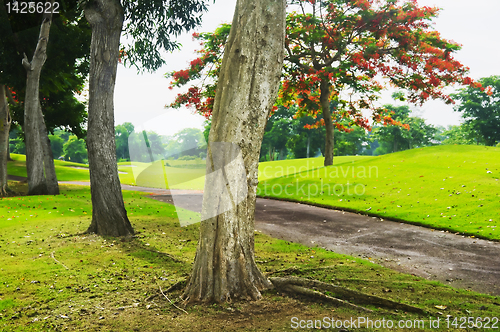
[
  {"x": 309, "y": 288},
  {"x": 179, "y": 285},
  {"x": 5, "y": 191},
  {"x": 311, "y": 293}
]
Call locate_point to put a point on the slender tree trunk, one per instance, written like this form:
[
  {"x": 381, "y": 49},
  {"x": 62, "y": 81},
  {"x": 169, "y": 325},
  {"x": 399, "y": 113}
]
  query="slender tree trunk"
[
  {"x": 5, "y": 121},
  {"x": 12, "y": 101},
  {"x": 327, "y": 116},
  {"x": 271, "y": 153},
  {"x": 48, "y": 157},
  {"x": 109, "y": 216},
  {"x": 224, "y": 267},
  {"x": 32, "y": 113}
]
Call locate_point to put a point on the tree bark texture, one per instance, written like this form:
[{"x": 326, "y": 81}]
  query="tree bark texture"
[
  {"x": 109, "y": 216},
  {"x": 32, "y": 113},
  {"x": 327, "y": 116},
  {"x": 5, "y": 121},
  {"x": 224, "y": 267}
]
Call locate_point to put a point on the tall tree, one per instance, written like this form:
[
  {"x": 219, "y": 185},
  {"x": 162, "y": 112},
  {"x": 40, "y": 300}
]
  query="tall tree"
[
  {"x": 224, "y": 267},
  {"x": 480, "y": 108},
  {"x": 151, "y": 24},
  {"x": 109, "y": 216},
  {"x": 61, "y": 77},
  {"x": 337, "y": 50},
  {"x": 5, "y": 121},
  {"x": 40, "y": 167}
]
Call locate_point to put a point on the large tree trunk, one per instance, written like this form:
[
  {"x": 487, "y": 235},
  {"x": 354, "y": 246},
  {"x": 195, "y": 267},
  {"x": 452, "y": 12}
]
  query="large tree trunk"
[
  {"x": 224, "y": 267},
  {"x": 327, "y": 116},
  {"x": 5, "y": 121},
  {"x": 32, "y": 113},
  {"x": 109, "y": 216}
]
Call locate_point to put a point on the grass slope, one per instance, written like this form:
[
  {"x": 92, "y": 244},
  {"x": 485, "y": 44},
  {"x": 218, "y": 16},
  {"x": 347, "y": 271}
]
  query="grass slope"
[
  {"x": 449, "y": 187},
  {"x": 54, "y": 278},
  {"x": 65, "y": 170}
]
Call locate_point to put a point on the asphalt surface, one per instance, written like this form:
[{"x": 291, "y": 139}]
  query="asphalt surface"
[{"x": 456, "y": 260}]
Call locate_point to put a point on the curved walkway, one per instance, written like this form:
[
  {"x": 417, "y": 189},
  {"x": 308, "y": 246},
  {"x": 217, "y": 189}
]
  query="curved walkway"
[{"x": 455, "y": 260}]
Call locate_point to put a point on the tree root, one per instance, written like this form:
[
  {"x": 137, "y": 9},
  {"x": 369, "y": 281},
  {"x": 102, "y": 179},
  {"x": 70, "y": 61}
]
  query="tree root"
[
  {"x": 303, "y": 286},
  {"x": 5, "y": 191},
  {"x": 285, "y": 286},
  {"x": 179, "y": 285}
]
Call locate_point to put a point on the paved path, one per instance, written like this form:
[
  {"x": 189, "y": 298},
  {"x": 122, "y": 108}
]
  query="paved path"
[{"x": 456, "y": 260}]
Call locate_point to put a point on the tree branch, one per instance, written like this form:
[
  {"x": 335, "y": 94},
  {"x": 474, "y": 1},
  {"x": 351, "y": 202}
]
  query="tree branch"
[{"x": 26, "y": 63}]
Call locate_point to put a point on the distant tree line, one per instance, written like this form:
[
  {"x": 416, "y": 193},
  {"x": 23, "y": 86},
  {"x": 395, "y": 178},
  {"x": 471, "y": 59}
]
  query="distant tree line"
[{"x": 289, "y": 137}]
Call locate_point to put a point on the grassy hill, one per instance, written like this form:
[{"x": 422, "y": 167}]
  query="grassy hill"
[{"x": 447, "y": 187}]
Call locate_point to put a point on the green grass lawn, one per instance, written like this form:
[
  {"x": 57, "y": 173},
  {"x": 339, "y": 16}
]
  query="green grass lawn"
[
  {"x": 53, "y": 277},
  {"x": 455, "y": 188},
  {"x": 449, "y": 187},
  {"x": 65, "y": 170}
]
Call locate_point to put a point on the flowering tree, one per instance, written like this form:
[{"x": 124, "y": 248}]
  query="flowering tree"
[
  {"x": 205, "y": 67},
  {"x": 340, "y": 54}
]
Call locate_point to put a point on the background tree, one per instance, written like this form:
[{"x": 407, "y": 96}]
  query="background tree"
[
  {"x": 461, "y": 134},
  {"x": 5, "y": 121},
  {"x": 75, "y": 150},
  {"x": 191, "y": 142},
  {"x": 276, "y": 134},
  {"x": 224, "y": 268},
  {"x": 150, "y": 24},
  {"x": 16, "y": 140},
  {"x": 350, "y": 143},
  {"x": 480, "y": 108},
  {"x": 57, "y": 145},
  {"x": 122, "y": 134},
  {"x": 305, "y": 142},
  {"x": 396, "y": 136},
  {"x": 414, "y": 132},
  {"x": 63, "y": 74}
]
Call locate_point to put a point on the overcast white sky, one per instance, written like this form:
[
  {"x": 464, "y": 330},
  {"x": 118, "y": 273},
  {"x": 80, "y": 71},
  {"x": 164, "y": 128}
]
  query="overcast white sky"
[{"x": 140, "y": 98}]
